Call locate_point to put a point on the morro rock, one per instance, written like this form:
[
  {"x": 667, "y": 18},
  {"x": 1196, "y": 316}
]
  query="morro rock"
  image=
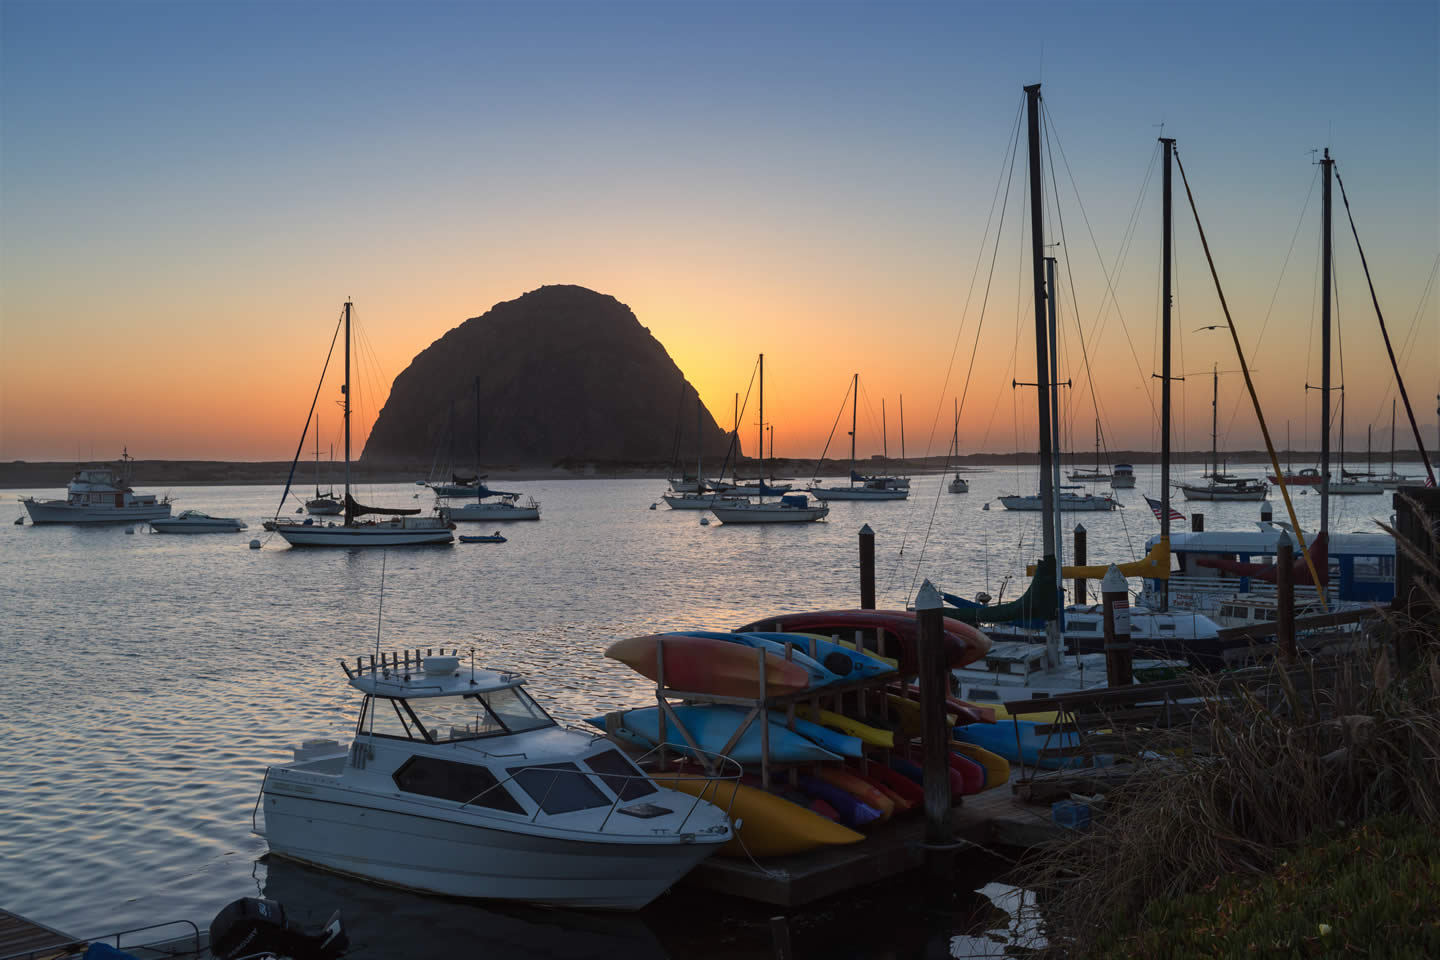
[{"x": 565, "y": 374}]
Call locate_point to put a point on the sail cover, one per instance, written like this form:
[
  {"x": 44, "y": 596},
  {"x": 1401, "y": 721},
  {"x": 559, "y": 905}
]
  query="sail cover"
[
  {"x": 1034, "y": 607},
  {"x": 353, "y": 509}
]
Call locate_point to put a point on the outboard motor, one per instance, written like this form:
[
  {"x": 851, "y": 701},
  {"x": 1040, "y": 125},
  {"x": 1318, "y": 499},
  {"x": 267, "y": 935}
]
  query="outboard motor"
[{"x": 254, "y": 927}]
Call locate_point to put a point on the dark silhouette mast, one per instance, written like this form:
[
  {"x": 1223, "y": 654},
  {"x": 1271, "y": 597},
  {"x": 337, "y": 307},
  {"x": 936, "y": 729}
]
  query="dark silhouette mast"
[
  {"x": 1165, "y": 299},
  {"x": 345, "y": 390},
  {"x": 1325, "y": 254},
  {"x": 1042, "y": 340}
]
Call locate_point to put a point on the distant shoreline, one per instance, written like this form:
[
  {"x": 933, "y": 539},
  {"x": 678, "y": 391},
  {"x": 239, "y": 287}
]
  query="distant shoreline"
[{"x": 21, "y": 474}]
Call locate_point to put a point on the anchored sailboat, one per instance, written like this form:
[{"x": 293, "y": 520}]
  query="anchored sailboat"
[
  {"x": 323, "y": 504},
  {"x": 403, "y": 527},
  {"x": 870, "y": 488},
  {"x": 1222, "y": 486}
]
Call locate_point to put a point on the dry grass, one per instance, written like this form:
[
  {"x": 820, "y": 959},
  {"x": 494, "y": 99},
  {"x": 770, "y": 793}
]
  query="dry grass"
[{"x": 1274, "y": 765}]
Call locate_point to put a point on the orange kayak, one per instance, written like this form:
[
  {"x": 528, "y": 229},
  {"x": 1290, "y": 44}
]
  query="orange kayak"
[{"x": 707, "y": 665}]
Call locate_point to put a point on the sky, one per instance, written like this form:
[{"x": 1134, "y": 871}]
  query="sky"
[{"x": 190, "y": 191}]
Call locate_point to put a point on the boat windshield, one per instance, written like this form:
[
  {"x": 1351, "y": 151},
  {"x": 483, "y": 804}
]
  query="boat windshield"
[{"x": 472, "y": 715}]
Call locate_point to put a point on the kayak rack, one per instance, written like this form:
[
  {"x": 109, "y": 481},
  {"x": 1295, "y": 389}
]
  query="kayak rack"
[{"x": 832, "y": 694}]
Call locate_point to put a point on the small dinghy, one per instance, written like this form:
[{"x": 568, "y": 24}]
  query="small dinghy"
[{"x": 492, "y": 538}]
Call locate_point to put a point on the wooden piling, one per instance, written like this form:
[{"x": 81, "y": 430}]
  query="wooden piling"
[
  {"x": 1115, "y": 597},
  {"x": 867, "y": 568},
  {"x": 1285, "y": 599},
  {"x": 935, "y": 738},
  {"x": 1079, "y": 561}
]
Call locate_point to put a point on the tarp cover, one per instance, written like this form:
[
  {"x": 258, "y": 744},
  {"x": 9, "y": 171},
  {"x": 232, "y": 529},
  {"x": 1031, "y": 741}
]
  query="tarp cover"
[{"x": 1032, "y": 609}]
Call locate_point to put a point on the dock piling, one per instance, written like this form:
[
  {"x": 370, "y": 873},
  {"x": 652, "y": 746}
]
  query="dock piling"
[
  {"x": 867, "y": 568},
  {"x": 1079, "y": 561},
  {"x": 1115, "y": 597},
  {"x": 935, "y": 738},
  {"x": 1285, "y": 599}
]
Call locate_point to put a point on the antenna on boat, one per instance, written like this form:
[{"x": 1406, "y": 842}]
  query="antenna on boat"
[
  {"x": 472, "y": 666},
  {"x": 380, "y": 616}
]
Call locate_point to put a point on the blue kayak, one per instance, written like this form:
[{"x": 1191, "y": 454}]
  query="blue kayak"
[
  {"x": 711, "y": 727},
  {"x": 853, "y": 813},
  {"x": 819, "y": 674},
  {"x": 841, "y": 661},
  {"x": 999, "y": 738}
]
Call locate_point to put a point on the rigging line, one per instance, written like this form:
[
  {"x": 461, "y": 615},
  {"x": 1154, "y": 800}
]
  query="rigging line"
[
  {"x": 1250, "y": 386},
  {"x": 1406, "y": 347},
  {"x": 1109, "y": 284},
  {"x": 1008, "y": 178},
  {"x": 1399, "y": 381},
  {"x": 310, "y": 417},
  {"x": 739, "y": 419},
  {"x": 1074, "y": 309},
  {"x": 833, "y": 427}
]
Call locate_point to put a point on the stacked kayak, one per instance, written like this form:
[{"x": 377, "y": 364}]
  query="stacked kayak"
[{"x": 963, "y": 643}]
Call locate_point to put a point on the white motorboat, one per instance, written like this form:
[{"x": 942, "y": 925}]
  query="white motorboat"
[
  {"x": 459, "y": 784},
  {"x": 193, "y": 521},
  {"x": 401, "y": 528},
  {"x": 99, "y": 495},
  {"x": 791, "y": 508},
  {"x": 1122, "y": 477},
  {"x": 1067, "y": 502},
  {"x": 1012, "y": 670},
  {"x": 1181, "y": 634}
]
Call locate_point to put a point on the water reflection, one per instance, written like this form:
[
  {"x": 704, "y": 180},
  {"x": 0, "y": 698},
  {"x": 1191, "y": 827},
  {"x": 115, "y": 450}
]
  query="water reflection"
[{"x": 385, "y": 923}]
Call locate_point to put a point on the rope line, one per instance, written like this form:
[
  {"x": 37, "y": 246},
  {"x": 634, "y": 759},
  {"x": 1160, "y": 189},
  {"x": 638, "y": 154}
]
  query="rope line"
[{"x": 1250, "y": 386}]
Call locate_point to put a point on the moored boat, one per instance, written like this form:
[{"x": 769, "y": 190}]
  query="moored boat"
[
  {"x": 193, "y": 521},
  {"x": 99, "y": 495},
  {"x": 459, "y": 784}
]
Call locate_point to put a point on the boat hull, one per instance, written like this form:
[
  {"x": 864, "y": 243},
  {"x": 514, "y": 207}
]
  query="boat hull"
[
  {"x": 180, "y": 526},
  {"x": 857, "y": 493},
  {"x": 492, "y": 511},
  {"x": 766, "y": 513},
  {"x": 470, "y": 860},
  {"x": 364, "y": 535},
  {"x": 59, "y": 511},
  {"x": 1210, "y": 493}
]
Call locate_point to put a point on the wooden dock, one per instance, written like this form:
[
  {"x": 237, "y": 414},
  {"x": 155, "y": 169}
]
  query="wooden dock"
[
  {"x": 995, "y": 817},
  {"x": 20, "y": 937}
]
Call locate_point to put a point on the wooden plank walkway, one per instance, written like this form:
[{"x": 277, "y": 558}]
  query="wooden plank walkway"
[
  {"x": 995, "y": 817},
  {"x": 22, "y": 937}
]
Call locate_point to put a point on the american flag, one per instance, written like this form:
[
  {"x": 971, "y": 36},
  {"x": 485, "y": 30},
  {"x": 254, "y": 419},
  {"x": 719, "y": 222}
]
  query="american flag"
[{"x": 1156, "y": 507}]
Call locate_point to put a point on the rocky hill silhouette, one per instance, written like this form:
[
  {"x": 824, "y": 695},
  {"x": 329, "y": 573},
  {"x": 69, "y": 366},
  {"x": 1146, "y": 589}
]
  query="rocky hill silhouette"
[{"x": 565, "y": 374}]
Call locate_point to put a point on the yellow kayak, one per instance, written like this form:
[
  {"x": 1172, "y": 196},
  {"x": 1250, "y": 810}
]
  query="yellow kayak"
[
  {"x": 908, "y": 713},
  {"x": 838, "y": 721},
  {"x": 1042, "y": 716},
  {"x": 997, "y": 768},
  {"x": 769, "y": 826}
]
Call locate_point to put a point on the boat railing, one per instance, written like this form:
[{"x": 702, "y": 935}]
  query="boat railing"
[{"x": 724, "y": 770}]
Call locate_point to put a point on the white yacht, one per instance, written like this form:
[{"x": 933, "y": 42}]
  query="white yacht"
[
  {"x": 1013, "y": 670},
  {"x": 504, "y": 506},
  {"x": 1068, "y": 502},
  {"x": 193, "y": 521},
  {"x": 99, "y": 495},
  {"x": 1122, "y": 477},
  {"x": 459, "y": 784}
]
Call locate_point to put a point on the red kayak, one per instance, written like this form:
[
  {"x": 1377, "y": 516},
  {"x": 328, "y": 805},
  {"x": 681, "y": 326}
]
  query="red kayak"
[
  {"x": 963, "y": 643},
  {"x": 705, "y": 665}
]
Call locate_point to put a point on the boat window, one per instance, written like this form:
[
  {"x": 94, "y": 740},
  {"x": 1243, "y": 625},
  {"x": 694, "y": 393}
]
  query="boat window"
[
  {"x": 559, "y": 787},
  {"x": 978, "y": 694},
  {"x": 385, "y": 717},
  {"x": 448, "y": 719},
  {"x": 614, "y": 768},
  {"x": 1081, "y": 625},
  {"x": 517, "y": 711},
  {"x": 462, "y": 782}
]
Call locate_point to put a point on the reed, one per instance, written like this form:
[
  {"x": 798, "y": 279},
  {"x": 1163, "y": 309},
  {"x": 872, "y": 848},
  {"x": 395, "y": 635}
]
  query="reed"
[{"x": 1272, "y": 767}]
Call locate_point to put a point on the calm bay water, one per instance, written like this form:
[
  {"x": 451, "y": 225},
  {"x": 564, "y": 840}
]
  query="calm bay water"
[{"x": 149, "y": 680}]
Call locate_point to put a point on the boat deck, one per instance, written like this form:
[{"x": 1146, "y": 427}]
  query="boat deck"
[{"x": 996, "y": 817}]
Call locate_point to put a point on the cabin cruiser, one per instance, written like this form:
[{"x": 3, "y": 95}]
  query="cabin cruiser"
[
  {"x": 1181, "y": 635},
  {"x": 1122, "y": 477},
  {"x": 1013, "y": 670},
  {"x": 458, "y": 783},
  {"x": 193, "y": 521},
  {"x": 506, "y": 506},
  {"x": 99, "y": 495}
]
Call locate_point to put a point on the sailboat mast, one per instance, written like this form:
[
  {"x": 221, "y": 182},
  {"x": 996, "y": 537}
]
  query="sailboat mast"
[
  {"x": 854, "y": 407},
  {"x": 478, "y": 484},
  {"x": 699, "y": 445},
  {"x": 1051, "y": 302},
  {"x": 1392, "y": 438},
  {"x": 761, "y": 432},
  {"x": 884, "y": 432},
  {"x": 902, "y": 428},
  {"x": 1042, "y": 370},
  {"x": 1325, "y": 253},
  {"x": 1214, "y": 408},
  {"x": 345, "y": 391},
  {"x": 1165, "y": 298},
  {"x": 317, "y": 455}
]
